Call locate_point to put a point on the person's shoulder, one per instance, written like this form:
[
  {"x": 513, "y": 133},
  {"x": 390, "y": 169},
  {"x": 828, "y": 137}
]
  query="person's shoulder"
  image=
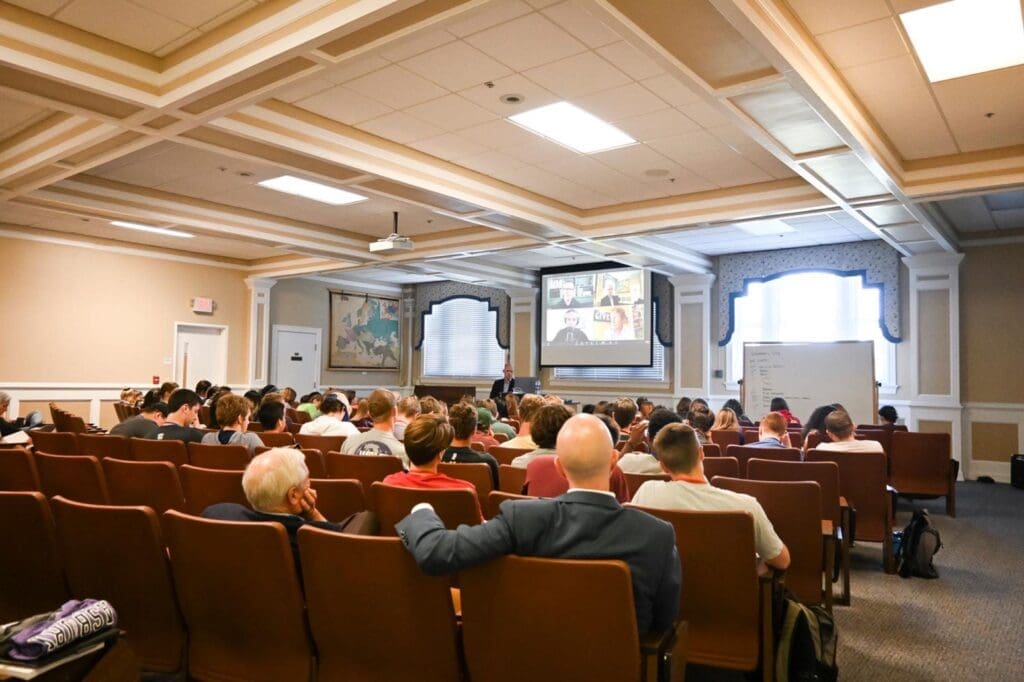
[
  {"x": 209, "y": 439},
  {"x": 229, "y": 511}
]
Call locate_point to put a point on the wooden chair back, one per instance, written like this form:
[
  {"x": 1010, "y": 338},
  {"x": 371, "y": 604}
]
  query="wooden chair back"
[
  {"x": 152, "y": 484},
  {"x": 218, "y": 568},
  {"x": 500, "y": 437},
  {"x": 496, "y": 497},
  {"x": 721, "y": 466},
  {"x": 324, "y": 444},
  {"x": 204, "y": 487},
  {"x": 101, "y": 446},
  {"x": 149, "y": 450},
  {"x": 477, "y": 473},
  {"x": 825, "y": 474},
  {"x": 511, "y": 479},
  {"x": 350, "y": 607},
  {"x": 634, "y": 481},
  {"x": 277, "y": 440},
  {"x": 18, "y": 470},
  {"x": 392, "y": 504},
  {"x": 922, "y": 464},
  {"x": 338, "y": 498},
  {"x": 711, "y": 450},
  {"x": 225, "y": 457},
  {"x": 76, "y": 477},
  {"x": 724, "y": 438},
  {"x": 54, "y": 442},
  {"x": 31, "y": 576},
  {"x": 506, "y": 455},
  {"x": 743, "y": 453},
  {"x": 117, "y": 552},
  {"x": 364, "y": 468}
]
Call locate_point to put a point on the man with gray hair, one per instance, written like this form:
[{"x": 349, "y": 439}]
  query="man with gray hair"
[{"x": 277, "y": 486}]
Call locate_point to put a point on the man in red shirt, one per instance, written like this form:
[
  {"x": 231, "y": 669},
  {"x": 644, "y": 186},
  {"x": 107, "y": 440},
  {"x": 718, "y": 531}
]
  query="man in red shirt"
[{"x": 426, "y": 439}]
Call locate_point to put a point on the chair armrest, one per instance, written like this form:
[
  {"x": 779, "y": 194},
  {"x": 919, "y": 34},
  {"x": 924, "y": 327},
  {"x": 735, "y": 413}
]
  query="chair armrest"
[
  {"x": 668, "y": 647},
  {"x": 827, "y": 529}
]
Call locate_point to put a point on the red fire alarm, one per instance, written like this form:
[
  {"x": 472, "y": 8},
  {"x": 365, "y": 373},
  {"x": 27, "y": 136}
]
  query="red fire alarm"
[{"x": 156, "y": 380}]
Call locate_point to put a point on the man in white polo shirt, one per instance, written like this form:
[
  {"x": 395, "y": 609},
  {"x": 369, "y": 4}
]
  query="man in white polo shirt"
[{"x": 840, "y": 429}]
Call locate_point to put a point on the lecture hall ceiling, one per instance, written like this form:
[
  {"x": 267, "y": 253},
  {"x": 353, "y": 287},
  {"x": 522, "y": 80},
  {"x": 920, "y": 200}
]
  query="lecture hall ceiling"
[{"x": 758, "y": 124}]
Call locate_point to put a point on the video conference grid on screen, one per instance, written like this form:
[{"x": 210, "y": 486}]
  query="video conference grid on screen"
[{"x": 596, "y": 318}]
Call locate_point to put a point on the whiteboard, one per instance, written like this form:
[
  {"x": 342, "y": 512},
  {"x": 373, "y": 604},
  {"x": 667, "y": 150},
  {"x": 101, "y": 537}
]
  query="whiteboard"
[{"x": 809, "y": 375}]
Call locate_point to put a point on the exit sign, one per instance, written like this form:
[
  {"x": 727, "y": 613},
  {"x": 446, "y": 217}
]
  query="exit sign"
[{"x": 202, "y": 305}]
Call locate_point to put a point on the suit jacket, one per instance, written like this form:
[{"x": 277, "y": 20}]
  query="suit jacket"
[
  {"x": 578, "y": 525},
  {"x": 496, "y": 392}
]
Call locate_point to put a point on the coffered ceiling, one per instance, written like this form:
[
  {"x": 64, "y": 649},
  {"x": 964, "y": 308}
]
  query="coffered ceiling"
[{"x": 812, "y": 118}]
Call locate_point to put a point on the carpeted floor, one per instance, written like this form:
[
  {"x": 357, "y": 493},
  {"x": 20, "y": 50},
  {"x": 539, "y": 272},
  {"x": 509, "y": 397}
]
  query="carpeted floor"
[{"x": 966, "y": 625}]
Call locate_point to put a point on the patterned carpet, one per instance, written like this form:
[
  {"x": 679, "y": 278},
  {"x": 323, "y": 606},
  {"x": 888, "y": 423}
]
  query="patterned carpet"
[{"x": 966, "y": 625}]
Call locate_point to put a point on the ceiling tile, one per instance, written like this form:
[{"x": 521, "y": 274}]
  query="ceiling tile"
[
  {"x": 135, "y": 26},
  {"x": 577, "y": 76},
  {"x": 630, "y": 60},
  {"x": 193, "y": 13},
  {"x": 574, "y": 17},
  {"x": 1004, "y": 201},
  {"x": 704, "y": 115},
  {"x": 752, "y": 151},
  {"x": 671, "y": 90},
  {"x": 353, "y": 68},
  {"x": 236, "y": 11},
  {"x": 396, "y": 87},
  {"x": 1009, "y": 219},
  {"x": 822, "y": 16},
  {"x": 540, "y": 152},
  {"x": 663, "y": 123},
  {"x": 490, "y": 163},
  {"x": 15, "y": 116},
  {"x": 532, "y": 95},
  {"x": 400, "y": 127},
  {"x": 864, "y": 43},
  {"x": 967, "y": 214},
  {"x": 787, "y": 117},
  {"x": 303, "y": 89},
  {"x": 907, "y": 233},
  {"x": 417, "y": 43},
  {"x": 526, "y": 42},
  {"x": 499, "y": 134},
  {"x": 966, "y": 103},
  {"x": 888, "y": 215},
  {"x": 706, "y": 155},
  {"x": 451, "y": 112},
  {"x": 47, "y": 7},
  {"x": 456, "y": 66},
  {"x": 341, "y": 104},
  {"x": 847, "y": 175},
  {"x": 490, "y": 14},
  {"x": 177, "y": 43},
  {"x": 621, "y": 102},
  {"x": 449, "y": 147}
]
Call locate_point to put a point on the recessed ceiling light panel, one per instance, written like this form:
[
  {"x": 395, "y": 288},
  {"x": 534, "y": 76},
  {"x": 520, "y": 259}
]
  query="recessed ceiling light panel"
[
  {"x": 572, "y": 127},
  {"x": 766, "y": 228},
  {"x": 965, "y": 37},
  {"x": 289, "y": 184},
  {"x": 149, "y": 228}
]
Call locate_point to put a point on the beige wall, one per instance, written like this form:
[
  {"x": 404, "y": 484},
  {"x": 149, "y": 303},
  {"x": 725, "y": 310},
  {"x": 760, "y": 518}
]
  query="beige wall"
[
  {"x": 81, "y": 315},
  {"x": 992, "y": 324},
  {"x": 305, "y": 303},
  {"x": 933, "y": 346},
  {"x": 993, "y": 442}
]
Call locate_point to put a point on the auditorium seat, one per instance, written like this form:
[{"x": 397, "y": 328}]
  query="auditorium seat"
[
  {"x": 721, "y": 466},
  {"x": 478, "y": 446},
  {"x": 391, "y": 622},
  {"x": 102, "y": 445},
  {"x": 152, "y": 484},
  {"x": 76, "y": 477},
  {"x": 711, "y": 450},
  {"x": 54, "y": 442},
  {"x": 225, "y": 457},
  {"x": 204, "y": 487},
  {"x": 509, "y": 634},
  {"x": 315, "y": 462},
  {"x": 338, "y": 498},
  {"x": 148, "y": 450},
  {"x": 277, "y": 440},
  {"x": 743, "y": 453},
  {"x": 364, "y": 468},
  {"x": 18, "y": 470},
  {"x": 495, "y": 499},
  {"x": 500, "y": 437},
  {"x": 453, "y": 506},
  {"x": 506, "y": 455},
  {"x": 477, "y": 473},
  {"x": 324, "y": 444},
  {"x": 724, "y": 438},
  {"x": 117, "y": 553},
  {"x": 241, "y": 600},
  {"x": 634, "y": 481},
  {"x": 921, "y": 466},
  {"x": 31, "y": 575},
  {"x": 511, "y": 479},
  {"x": 795, "y": 511}
]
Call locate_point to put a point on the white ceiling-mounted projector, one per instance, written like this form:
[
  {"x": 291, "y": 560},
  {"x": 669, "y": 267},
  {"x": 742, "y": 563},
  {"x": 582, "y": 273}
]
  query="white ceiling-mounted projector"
[{"x": 393, "y": 243}]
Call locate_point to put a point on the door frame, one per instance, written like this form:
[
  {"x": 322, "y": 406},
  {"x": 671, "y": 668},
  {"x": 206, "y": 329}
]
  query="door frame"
[
  {"x": 317, "y": 353},
  {"x": 224, "y": 330}
]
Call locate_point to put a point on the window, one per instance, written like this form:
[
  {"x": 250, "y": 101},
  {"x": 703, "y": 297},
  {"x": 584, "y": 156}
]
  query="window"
[
  {"x": 811, "y": 306},
  {"x": 459, "y": 340},
  {"x": 656, "y": 372}
]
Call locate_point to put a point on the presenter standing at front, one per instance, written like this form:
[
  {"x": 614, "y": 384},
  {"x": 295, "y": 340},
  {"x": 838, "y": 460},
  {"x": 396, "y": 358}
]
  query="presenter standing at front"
[{"x": 502, "y": 387}]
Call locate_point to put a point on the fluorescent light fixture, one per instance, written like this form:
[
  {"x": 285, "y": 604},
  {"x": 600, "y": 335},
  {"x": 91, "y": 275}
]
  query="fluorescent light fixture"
[
  {"x": 289, "y": 184},
  {"x": 766, "y": 228},
  {"x": 964, "y": 37},
  {"x": 572, "y": 127},
  {"x": 149, "y": 228}
]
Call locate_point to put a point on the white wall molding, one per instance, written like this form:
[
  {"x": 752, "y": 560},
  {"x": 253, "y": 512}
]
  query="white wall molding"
[
  {"x": 692, "y": 289},
  {"x": 991, "y": 413},
  {"x": 523, "y": 300},
  {"x": 259, "y": 330}
]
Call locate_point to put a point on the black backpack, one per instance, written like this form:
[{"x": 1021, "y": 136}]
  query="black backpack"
[
  {"x": 919, "y": 543},
  {"x": 806, "y": 647}
]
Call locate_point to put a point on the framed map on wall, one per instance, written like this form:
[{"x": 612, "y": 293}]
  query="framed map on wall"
[{"x": 365, "y": 332}]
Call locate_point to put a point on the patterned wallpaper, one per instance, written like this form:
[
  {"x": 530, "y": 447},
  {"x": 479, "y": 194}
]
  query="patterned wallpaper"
[
  {"x": 876, "y": 262},
  {"x": 433, "y": 293}
]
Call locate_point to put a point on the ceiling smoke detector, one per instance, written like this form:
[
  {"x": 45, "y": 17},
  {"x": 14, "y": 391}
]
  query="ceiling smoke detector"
[
  {"x": 512, "y": 99},
  {"x": 394, "y": 242}
]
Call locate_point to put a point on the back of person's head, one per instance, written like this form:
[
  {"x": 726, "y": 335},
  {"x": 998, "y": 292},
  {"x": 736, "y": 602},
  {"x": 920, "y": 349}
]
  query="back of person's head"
[
  {"x": 463, "y": 418},
  {"x": 289, "y": 394},
  {"x": 701, "y": 402},
  {"x": 148, "y": 409},
  {"x": 700, "y": 420},
  {"x": 735, "y": 406},
  {"x": 683, "y": 407},
  {"x": 528, "y": 406},
  {"x": 585, "y": 449},
  {"x": 839, "y": 424},
  {"x": 152, "y": 396},
  {"x": 428, "y": 404},
  {"x": 182, "y": 397},
  {"x": 491, "y": 406},
  {"x": 644, "y": 405},
  {"x": 331, "y": 405},
  {"x": 168, "y": 387},
  {"x": 269, "y": 477},
  {"x": 888, "y": 413},
  {"x": 269, "y": 388},
  {"x": 272, "y": 397},
  {"x": 202, "y": 387},
  {"x": 816, "y": 422},
  {"x": 588, "y": 408},
  {"x": 660, "y": 418},
  {"x": 409, "y": 406},
  {"x": 778, "y": 404},
  {"x": 426, "y": 437},
  {"x": 678, "y": 448},
  {"x": 624, "y": 412},
  {"x": 126, "y": 394},
  {"x": 254, "y": 397},
  {"x": 546, "y": 424},
  {"x": 380, "y": 406},
  {"x": 270, "y": 415},
  {"x": 230, "y": 408},
  {"x": 725, "y": 420},
  {"x": 773, "y": 423},
  {"x": 613, "y": 428}
]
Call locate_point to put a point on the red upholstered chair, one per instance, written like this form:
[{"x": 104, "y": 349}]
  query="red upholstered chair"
[
  {"x": 634, "y": 481},
  {"x": 31, "y": 574}
]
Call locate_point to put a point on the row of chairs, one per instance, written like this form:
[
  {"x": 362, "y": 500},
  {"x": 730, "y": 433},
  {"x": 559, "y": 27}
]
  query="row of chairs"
[
  {"x": 106, "y": 445},
  {"x": 66, "y": 421}
]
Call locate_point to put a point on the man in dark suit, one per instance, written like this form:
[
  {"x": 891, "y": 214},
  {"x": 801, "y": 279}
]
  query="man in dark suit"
[
  {"x": 502, "y": 387},
  {"x": 584, "y": 523}
]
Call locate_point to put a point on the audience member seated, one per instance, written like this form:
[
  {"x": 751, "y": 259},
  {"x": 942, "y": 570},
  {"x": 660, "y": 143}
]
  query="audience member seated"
[
  {"x": 782, "y": 407},
  {"x": 379, "y": 440},
  {"x": 484, "y": 433},
  {"x": 277, "y": 486},
  {"x": 271, "y": 418},
  {"x": 330, "y": 422},
  {"x": 233, "y": 415},
  {"x": 683, "y": 407},
  {"x": 426, "y": 439},
  {"x": 726, "y": 420},
  {"x": 462, "y": 418},
  {"x": 152, "y": 396},
  {"x": 527, "y": 408},
  {"x": 700, "y": 420},
  {"x": 840, "y": 429},
  {"x": 254, "y": 398},
  {"x": 682, "y": 459},
  {"x": 625, "y": 414},
  {"x": 737, "y": 408},
  {"x": 408, "y": 409},
  {"x": 142, "y": 425},
  {"x": 547, "y": 421},
  {"x": 165, "y": 391},
  {"x": 645, "y": 406},
  {"x": 585, "y": 523},
  {"x": 202, "y": 389},
  {"x": 543, "y": 479},
  {"x": 771, "y": 432},
  {"x": 131, "y": 397},
  {"x": 889, "y": 415},
  {"x": 361, "y": 418},
  {"x": 635, "y": 462},
  {"x": 182, "y": 416},
  {"x": 431, "y": 405},
  {"x": 289, "y": 395},
  {"x": 497, "y": 426},
  {"x": 816, "y": 424},
  {"x": 310, "y": 404}
]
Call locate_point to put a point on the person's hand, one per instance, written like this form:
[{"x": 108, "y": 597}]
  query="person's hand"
[
  {"x": 636, "y": 436},
  {"x": 785, "y": 440},
  {"x": 308, "y": 504}
]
